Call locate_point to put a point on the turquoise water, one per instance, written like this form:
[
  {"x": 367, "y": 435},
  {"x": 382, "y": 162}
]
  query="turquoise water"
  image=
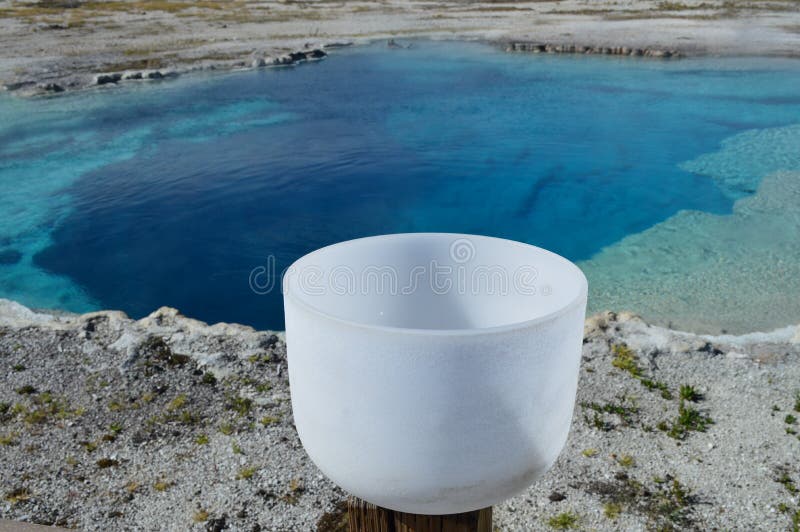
[{"x": 674, "y": 184}]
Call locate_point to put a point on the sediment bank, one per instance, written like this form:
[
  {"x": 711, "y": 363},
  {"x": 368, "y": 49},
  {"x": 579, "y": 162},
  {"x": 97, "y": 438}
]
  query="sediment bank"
[
  {"x": 170, "y": 423},
  {"x": 52, "y": 46}
]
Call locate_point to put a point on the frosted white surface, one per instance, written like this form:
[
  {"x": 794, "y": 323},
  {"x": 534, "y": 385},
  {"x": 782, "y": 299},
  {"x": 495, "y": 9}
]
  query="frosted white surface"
[{"x": 433, "y": 402}]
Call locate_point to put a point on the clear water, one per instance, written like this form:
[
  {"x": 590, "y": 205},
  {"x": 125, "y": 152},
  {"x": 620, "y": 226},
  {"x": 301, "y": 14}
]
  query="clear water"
[{"x": 673, "y": 183}]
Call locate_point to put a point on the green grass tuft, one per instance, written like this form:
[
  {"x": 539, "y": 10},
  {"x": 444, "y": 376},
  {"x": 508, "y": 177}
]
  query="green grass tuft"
[
  {"x": 612, "y": 510},
  {"x": 625, "y": 359},
  {"x": 625, "y": 413},
  {"x": 666, "y": 504},
  {"x": 689, "y": 393},
  {"x": 626, "y": 460},
  {"x": 787, "y": 482},
  {"x": 246, "y": 473},
  {"x": 105, "y": 463},
  {"x": 8, "y": 439},
  {"x": 177, "y": 403},
  {"x": 270, "y": 420},
  {"x": 240, "y": 405},
  {"x": 564, "y": 521},
  {"x": 18, "y": 495},
  {"x": 162, "y": 485},
  {"x": 688, "y": 420}
]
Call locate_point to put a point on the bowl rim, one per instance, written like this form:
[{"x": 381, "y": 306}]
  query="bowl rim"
[{"x": 508, "y": 327}]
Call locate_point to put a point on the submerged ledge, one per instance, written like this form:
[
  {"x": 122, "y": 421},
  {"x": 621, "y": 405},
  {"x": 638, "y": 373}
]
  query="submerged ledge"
[
  {"x": 544, "y": 48},
  {"x": 168, "y": 422}
]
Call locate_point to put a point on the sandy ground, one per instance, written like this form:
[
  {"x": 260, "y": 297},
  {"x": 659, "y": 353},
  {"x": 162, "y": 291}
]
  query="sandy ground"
[
  {"x": 68, "y": 41},
  {"x": 167, "y": 423}
]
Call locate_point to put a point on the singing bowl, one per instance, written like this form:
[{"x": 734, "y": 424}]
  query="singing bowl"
[{"x": 433, "y": 373}]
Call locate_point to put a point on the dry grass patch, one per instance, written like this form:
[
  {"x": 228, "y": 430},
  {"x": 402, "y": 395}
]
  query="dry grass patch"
[
  {"x": 147, "y": 63},
  {"x": 495, "y": 9},
  {"x": 77, "y": 13}
]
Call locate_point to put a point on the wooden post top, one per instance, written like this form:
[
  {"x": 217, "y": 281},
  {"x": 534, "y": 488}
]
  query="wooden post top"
[{"x": 367, "y": 517}]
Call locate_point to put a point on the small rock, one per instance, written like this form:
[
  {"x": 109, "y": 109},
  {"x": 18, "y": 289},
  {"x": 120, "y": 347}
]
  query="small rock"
[
  {"x": 282, "y": 60},
  {"x": 598, "y": 323},
  {"x": 557, "y": 496},
  {"x": 332, "y": 45},
  {"x": 707, "y": 347},
  {"x": 217, "y": 525},
  {"x": 316, "y": 54},
  {"x": 626, "y": 316},
  {"x": 18, "y": 85},
  {"x": 258, "y": 62},
  {"x": 51, "y": 87},
  {"x": 683, "y": 346},
  {"x": 268, "y": 342},
  {"x": 104, "y": 79}
]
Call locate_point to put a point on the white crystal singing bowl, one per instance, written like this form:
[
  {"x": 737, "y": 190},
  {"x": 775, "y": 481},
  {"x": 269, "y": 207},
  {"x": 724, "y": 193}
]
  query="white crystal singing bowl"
[{"x": 430, "y": 396}]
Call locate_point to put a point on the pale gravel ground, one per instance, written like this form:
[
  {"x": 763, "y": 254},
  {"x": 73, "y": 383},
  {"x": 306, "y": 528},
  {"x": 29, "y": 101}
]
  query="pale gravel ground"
[
  {"x": 103, "y": 359},
  {"x": 117, "y": 33}
]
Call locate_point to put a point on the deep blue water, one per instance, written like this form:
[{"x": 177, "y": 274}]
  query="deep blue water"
[{"x": 170, "y": 194}]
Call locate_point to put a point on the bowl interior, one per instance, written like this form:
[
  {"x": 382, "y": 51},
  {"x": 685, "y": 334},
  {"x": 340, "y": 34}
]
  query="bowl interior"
[{"x": 434, "y": 281}]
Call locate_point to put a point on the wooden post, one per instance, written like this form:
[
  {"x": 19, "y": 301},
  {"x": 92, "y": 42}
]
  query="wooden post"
[{"x": 366, "y": 517}]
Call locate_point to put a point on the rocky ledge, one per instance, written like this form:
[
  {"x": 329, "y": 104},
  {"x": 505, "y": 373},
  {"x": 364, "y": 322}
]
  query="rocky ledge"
[
  {"x": 167, "y": 423},
  {"x": 543, "y": 48},
  {"x": 33, "y": 88},
  {"x": 292, "y": 58}
]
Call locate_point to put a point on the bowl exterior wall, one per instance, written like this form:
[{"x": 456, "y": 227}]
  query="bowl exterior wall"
[{"x": 432, "y": 423}]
